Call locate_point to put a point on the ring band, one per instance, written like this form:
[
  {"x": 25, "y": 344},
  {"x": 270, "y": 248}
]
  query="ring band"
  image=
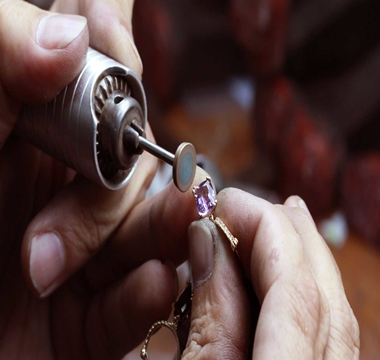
[
  {"x": 205, "y": 198},
  {"x": 182, "y": 312},
  {"x": 233, "y": 240}
]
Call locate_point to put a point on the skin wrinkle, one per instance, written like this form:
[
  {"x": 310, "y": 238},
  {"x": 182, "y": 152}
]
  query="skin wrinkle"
[
  {"x": 307, "y": 312},
  {"x": 213, "y": 336},
  {"x": 93, "y": 234},
  {"x": 296, "y": 295},
  {"x": 94, "y": 223},
  {"x": 344, "y": 330},
  {"x": 301, "y": 314},
  {"x": 263, "y": 227},
  {"x": 192, "y": 351},
  {"x": 335, "y": 290},
  {"x": 76, "y": 238},
  {"x": 323, "y": 325},
  {"x": 203, "y": 331},
  {"x": 203, "y": 342}
]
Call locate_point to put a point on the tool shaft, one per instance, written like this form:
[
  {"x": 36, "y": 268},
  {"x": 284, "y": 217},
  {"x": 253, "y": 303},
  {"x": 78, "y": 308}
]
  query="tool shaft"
[{"x": 156, "y": 150}]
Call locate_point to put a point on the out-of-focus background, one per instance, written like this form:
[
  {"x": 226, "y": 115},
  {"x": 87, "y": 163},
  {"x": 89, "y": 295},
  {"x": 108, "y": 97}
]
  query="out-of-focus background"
[{"x": 281, "y": 97}]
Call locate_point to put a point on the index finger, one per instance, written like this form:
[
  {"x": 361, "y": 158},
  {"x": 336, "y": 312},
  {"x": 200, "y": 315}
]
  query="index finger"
[
  {"x": 110, "y": 26},
  {"x": 294, "y": 316},
  {"x": 155, "y": 229}
]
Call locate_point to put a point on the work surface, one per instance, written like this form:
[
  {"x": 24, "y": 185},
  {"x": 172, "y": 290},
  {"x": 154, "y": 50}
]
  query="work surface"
[{"x": 360, "y": 268}]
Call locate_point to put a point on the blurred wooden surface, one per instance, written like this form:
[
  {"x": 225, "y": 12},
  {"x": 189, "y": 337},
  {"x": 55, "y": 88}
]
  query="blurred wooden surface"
[{"x": 360, "y": 269}]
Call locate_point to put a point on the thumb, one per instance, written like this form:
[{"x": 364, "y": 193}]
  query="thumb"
[
  {"x": 40, "y": 53},
  {"x": 220, "y": 320}
]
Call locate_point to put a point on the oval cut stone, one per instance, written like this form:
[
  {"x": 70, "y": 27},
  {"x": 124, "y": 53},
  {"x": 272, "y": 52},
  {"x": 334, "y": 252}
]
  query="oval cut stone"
[{"x": 205, "y": 197}]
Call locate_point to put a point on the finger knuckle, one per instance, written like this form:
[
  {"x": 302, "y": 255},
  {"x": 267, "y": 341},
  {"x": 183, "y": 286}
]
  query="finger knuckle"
[
  {"x": 300, "y": 215},
  {"x": 293, "y": 198}
]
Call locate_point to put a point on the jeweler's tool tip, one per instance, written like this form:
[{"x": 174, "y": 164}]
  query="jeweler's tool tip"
[
  {"x": 184, "y": 160},
  {"x": 184, "y": 166}
]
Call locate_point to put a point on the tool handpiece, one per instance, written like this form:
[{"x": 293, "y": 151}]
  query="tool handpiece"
[{"x": 96, "y": 125}]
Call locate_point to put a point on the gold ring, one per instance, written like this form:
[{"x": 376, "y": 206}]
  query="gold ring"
[
  {"x": 205, "y": 198},
  {"x": 182, "y": 312}
]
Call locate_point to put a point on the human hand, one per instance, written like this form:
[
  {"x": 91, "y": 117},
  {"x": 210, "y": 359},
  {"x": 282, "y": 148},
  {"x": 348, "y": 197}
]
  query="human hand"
[
  {"x": 42, "y": 53},
  {"x": 57, "y": 221},
  {"x": 304, "y": 311}
]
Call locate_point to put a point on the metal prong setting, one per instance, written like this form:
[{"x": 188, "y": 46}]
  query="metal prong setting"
[{"x": 206, "y": 208}]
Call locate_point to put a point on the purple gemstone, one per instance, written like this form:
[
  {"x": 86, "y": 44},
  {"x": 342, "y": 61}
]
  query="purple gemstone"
[{"x": 205, "y": 198}]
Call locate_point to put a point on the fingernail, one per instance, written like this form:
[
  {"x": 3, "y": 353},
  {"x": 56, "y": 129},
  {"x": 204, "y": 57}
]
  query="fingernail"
[
  {"x": 133, "y": 54},
  {"x": 47, "y": 262},
  {"x": 201, "y": 252},
  {"x": 58, "y": 31}
]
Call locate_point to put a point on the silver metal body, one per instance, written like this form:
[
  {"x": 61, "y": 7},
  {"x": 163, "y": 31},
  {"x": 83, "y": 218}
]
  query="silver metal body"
[{"x": 69, "y": 127}]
